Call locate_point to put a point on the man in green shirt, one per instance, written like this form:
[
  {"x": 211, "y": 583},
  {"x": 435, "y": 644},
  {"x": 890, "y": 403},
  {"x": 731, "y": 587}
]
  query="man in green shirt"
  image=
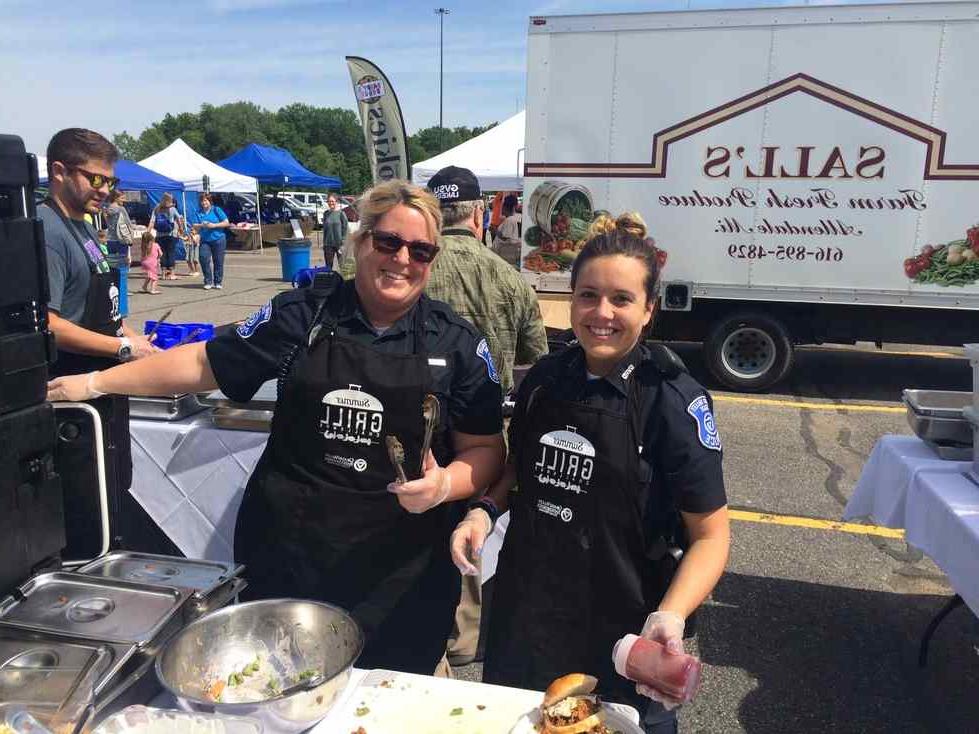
[
  {"x": 487, "y": 291},
  {"x": 478, "y": 284}
]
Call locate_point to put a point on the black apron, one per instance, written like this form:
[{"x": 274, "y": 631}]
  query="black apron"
[
  {"x": 102, "y": 316},
  {"x": 317, "y": 521},
  {"x": 573, "y": 575}
]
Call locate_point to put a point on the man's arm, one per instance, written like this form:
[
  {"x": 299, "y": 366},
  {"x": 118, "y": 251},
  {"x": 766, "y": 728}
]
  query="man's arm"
[
  {"x": 73, "y": 338},
  {"x": 531, "y": 335}
]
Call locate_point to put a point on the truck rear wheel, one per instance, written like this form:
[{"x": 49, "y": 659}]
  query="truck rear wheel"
[{"x": 749, "y": 351}]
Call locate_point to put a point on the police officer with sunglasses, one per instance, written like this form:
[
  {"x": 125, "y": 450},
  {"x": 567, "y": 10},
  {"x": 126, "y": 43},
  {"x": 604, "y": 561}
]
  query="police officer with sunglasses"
[
  {"x": 83, "y": 314},
  {"x": 327, "y": 513}
]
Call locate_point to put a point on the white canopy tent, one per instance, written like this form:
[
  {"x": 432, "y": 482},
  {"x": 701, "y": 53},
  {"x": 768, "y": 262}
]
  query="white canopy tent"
[
  {"x": 180, "y": 162},
  {"x": 495, "y": 157}
]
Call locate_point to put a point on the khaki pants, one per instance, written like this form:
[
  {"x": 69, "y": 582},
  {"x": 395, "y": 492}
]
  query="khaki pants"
[{"x": 465, "y": 633}]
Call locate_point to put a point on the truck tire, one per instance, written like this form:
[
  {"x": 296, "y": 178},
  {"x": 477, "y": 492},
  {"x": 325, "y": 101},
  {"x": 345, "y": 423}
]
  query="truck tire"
[{"x": 749, "y": 351}]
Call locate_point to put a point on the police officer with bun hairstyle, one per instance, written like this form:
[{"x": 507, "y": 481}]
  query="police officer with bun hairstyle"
[
  {"x": 617, "y": 458},
  {"x": 322, "y": 516}
]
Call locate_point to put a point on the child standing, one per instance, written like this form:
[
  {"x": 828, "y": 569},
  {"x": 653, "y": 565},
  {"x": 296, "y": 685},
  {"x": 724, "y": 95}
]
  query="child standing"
[{"x": 150, "y": 263}]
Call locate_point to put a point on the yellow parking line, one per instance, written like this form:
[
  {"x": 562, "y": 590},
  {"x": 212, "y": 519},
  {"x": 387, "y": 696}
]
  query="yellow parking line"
[
  {"x": 815, "y": 524},
  {"x": 888, "y": 352},
  {"x": 809, "y": 406}
]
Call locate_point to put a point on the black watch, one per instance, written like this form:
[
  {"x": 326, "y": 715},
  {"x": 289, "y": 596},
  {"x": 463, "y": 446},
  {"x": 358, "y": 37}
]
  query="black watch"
[
  {"x": 488, "y": 506},
  {"x": 125, "y": 352}
]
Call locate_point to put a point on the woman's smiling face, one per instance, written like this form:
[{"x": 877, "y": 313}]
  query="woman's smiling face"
[
  {"x": 609, "y": 309},
  {"x": 391, "y": 284}
]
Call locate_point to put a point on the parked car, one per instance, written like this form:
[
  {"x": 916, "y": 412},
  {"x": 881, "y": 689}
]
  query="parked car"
[{"x": 308, "y": 200}]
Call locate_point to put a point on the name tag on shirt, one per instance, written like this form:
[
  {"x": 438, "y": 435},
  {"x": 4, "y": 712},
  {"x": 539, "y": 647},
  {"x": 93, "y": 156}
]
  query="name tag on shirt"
[{"x": 437, "y": 362}]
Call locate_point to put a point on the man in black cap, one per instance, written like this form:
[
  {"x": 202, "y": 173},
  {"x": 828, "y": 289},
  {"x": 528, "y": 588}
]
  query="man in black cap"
[{"x": 487, "y": 291}]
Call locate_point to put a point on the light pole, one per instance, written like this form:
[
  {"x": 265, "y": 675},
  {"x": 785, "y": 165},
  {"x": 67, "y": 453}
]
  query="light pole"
[{"x": 441, "y": 12}]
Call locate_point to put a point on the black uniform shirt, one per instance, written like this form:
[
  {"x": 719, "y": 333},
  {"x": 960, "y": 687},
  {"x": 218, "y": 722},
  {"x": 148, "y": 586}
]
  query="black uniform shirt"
[
  {"x": 680, "y": 463},
  {"x": 461, "y": 367}
]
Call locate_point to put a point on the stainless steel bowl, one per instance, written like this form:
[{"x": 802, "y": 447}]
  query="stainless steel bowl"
[{"x": 295, "y": 635}]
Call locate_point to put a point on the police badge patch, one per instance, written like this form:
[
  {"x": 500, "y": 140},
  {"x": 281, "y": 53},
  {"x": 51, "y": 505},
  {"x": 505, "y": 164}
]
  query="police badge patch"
[
  {"x": 483, "y": 352},
  {"x": 707, "y": 433},
  {"x": 252, "y": 323}
]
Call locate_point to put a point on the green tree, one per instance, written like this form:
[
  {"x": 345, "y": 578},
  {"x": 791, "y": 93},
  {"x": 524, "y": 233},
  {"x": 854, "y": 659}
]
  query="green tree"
[
  {"x": 127, "y": 145},
  {"x": 327, "y": 140}
]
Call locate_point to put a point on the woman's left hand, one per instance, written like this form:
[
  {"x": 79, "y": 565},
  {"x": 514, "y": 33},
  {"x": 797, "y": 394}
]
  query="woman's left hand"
[
  {"x": 665, "y": 628},
  {"x": 421, "y": 495}
]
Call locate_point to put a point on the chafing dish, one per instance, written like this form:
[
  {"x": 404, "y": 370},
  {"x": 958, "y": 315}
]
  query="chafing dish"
[
  {"x": 242, "y": 420},
  {"x": 937, "y": 416},
  {"x": 100, "y": 609},
  {"x": 212, "y": 584},
  {"x": 263, "y": 399},
  {"x": 173, "y": 408}
]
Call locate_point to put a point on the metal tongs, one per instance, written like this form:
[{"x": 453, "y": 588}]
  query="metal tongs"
[
  {"x": 396, "y": 452},
  {"x": 430, "y": 412}
]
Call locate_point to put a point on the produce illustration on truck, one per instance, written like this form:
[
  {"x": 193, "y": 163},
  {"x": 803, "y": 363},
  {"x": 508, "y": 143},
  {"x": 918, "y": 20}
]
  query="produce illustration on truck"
[
  {"x": 561, "y": 214},
  {"x": 956, "y": 263}
]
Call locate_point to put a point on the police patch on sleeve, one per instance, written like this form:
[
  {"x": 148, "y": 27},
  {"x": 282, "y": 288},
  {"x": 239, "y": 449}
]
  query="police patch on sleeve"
[
  {"x": 706, "y": 428},
  {"x": 483, "y": 352},
  {"x": 252, "y": 323}
]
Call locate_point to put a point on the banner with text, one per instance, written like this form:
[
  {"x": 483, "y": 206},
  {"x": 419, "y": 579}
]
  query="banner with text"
[{"x": 380, "y": 116}]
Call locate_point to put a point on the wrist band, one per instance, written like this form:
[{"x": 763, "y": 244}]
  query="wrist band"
[{"x": 488, "y": 506}]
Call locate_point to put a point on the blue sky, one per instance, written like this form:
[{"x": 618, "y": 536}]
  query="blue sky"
[{"x": 113, "y": 68}]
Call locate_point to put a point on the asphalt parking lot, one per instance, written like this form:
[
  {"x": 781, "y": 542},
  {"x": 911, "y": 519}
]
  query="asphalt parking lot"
[{"x": 811, "y": 629}]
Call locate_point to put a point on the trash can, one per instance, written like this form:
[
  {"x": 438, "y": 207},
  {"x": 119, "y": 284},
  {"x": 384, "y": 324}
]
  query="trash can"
[
  {"x": 295, "y": 255},
  {"x": 118, "y": 252}
]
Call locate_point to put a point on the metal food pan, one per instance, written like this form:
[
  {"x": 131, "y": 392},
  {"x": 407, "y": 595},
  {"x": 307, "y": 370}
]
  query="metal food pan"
[
  {"x": 87, "y": 608},
  {"x": 937, "y": 403},
  {"x": 242, "y": 420},
  {"x": 201, "y": 577},
  {"x": 940, "y": 430},
  {"x": 263, "y": 399},
  {"x": 120, "y": 658},
  {"x": 173, "y": 408}
]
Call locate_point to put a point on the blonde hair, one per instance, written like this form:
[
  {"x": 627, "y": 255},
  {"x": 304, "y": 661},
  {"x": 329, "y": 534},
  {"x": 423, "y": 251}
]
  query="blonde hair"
[
  {"x": 379, "y": 200},
  {"x": 146, "y": 243}
]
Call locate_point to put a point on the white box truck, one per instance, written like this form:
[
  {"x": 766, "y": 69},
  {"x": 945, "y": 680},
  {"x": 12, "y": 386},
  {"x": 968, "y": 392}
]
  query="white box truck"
[{"x": 812, "y": 172}]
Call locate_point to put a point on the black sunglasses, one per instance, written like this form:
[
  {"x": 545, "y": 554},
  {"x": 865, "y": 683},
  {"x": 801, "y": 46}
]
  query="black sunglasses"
[
  {"x": 97, "y": 180},
  {"x": 390, "y": 244}
]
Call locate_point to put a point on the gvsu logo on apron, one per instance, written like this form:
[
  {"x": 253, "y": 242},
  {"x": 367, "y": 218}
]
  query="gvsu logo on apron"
[
  {"x": 352, "y": 416},
  {"x": 567, "y": 460}
]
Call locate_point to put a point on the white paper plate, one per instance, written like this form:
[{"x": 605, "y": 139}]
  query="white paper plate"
[{"x": 614, "y": 720}]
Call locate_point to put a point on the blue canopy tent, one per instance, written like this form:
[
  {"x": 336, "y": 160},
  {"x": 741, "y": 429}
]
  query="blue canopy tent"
[{"x": 276, "y": 166}]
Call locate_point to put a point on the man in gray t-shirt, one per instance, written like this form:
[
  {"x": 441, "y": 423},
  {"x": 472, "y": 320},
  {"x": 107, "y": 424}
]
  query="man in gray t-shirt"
[{"x": 68, "y": 269}]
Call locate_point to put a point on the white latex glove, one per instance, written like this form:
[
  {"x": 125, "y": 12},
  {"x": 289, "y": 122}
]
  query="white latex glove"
[
  {"x": 469, "y": 535},
  {"x": 421, "y": 495},
  {"x": 74, "y": 388},
  {"x": 143, "y": 346},
  {"x": 667, "y": 629}
]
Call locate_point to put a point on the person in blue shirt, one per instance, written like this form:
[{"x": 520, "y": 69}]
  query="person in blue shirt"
[{"x": 210, "y": 222}]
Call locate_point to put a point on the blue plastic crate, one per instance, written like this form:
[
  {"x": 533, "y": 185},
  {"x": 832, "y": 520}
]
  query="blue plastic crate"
[{"x": 170, "y": 335}]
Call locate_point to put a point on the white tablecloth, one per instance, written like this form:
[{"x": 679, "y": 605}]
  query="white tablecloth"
[
  {"x": 906, "y": 485},
  {"x": 189, "y": 476}
]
